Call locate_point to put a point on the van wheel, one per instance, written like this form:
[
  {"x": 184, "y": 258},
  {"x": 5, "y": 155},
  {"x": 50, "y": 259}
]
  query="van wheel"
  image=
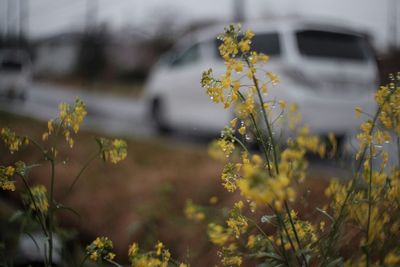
[{"x": 157, "y": 115}]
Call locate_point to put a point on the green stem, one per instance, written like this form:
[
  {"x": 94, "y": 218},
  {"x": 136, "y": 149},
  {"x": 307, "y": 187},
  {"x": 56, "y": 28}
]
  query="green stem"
[
  {"x": 259, "y": 137},
  {"x": 51, "y": 210},
  {"x": 84, "y": 260},
  {"x": 41, "y": 222},
  {"x": 50, "y": 218},
  {"x": 38, "y": 146},
  {"x": 336, "y": 224},
  {"x": 82, "y": 170},
  {"x": 368, "y": 256},
  {"x": 282, "y": 223},
  {"x": 114, "y": 263},
  {"x": 265, "y": 116},
  {"x": 284, "y": 250},
  {"x": 398, "y": 149},
  {"x": 263, "y": 233},
  {"x": 241, "y": 144},
  {"x": 295, "y": 233}
]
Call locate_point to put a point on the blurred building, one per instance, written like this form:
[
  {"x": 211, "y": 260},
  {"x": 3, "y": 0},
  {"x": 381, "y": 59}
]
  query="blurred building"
[
  {"x": 127, "y": 56},
  {"x": 57, "y": 55}
]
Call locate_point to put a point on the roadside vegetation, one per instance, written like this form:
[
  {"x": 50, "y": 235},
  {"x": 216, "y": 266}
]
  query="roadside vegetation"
[{"x": 161, "y": 203}]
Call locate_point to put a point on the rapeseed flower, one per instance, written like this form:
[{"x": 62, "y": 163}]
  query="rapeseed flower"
[
  {"x": 100, "y": 249},
  {"x": 12, "y": 140},
  {"x": 37, "y": 199},
  {"x": 114, "y": 150}
]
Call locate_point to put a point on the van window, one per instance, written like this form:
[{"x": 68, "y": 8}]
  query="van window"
[
  {"x": 190, "y": 55},
  {"x": 267, "y": 43},
  {"x": 323, "y": 44}
]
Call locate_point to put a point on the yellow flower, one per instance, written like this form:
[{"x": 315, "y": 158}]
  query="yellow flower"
[
  {"x": 39, "y": 202},
  {"x": 9, "y": 171},
  {"x": 218, "y": 235},
  {"x": 226, "y": 146},
  {"x": 113, "y": 150},
  {"x": 358, "y": 112},
  {"x": 12, "y": 141},
  {"x": 133, "y": 250},
  {"x": 98, "y": 242},
  {"x": 159, "y": 248},
  {"x": 233, "y": 123},
  {"x": 263, "y": 57},
  {"x": 244, "y": 45},
  {"x": 100, "y": 248},
  {"x": 232, "y": 260},
  {"x": 249, "y": 34},
  {"x": 273, "y": 77},
  {"x": 8, "y": 185},
  {"x": 94, "y": 256},
  {"x": 392, "y": 259},
  {"x": 242, "y": 130},
  {"x": 194, "y": 212},
  {"x": 110, "y": 256},
  {"x": 282, "y": 104},
  {"x": 238, "y": 66},
  {"x": 251, "y": 241},
  {"x": 213, "y": 200}
]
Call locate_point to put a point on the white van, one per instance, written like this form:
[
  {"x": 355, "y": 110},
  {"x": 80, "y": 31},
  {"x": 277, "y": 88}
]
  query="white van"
[
  {"x": 326, "y": 69},
  {"x": 15, "y": 73}
]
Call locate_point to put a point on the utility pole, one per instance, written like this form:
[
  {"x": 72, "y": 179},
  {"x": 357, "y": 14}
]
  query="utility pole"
[
  {"x": 238, "y": 10},
  {"x": 8, "y": 19},
  {"x": 23, "y": 18},
  {"x": 91, "y": 14},
  {"x": 392, "y": 23}
]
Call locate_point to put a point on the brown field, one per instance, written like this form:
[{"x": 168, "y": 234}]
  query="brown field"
[{"x": 142, "y": 198}]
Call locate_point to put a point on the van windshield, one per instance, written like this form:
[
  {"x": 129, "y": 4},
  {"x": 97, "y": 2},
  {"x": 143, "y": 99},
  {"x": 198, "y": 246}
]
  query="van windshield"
[{"x": 332, "y": 45}]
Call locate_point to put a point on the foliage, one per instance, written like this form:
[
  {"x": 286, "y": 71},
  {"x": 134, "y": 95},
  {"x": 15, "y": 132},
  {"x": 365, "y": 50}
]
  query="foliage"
[
  {"x": 39, "y": 201},
  {"x": 366, "y": 207},
  {"x": 265, "y": 227}
]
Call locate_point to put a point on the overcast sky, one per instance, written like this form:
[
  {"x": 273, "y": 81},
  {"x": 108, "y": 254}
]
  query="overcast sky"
[{"x": 53, "y": 16}]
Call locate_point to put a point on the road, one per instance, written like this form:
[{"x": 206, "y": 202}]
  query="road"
[
  {"x": 107, "y": 114},
  {"x": 115, "y": 116}
]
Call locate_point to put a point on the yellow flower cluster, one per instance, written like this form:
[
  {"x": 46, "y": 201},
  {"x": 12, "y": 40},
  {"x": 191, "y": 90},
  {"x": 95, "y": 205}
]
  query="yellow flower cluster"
[
  {"x": 13, "y": 141},
  {"x": 374, "y": 207},
  {"x": 6, "y": 173},
  {"x": 194, "y": 212},
  {"x": 37, "y": 199},
  {"x": 100, "y": 249},
  {"x": 236, "y": 221},
  {"x": 229, "y": 176},
  {"x": 305, "y": 232},
  {"x": 69, "y": 119},
  {"x": 114, "y": 150},
  {"x": 218, "y": 234},
  {"x": 236, "y": 52},
  {"x": 388, "y": 100},
  {"x": 159, "y": 257},
  {"x": 258, "y": 186}
]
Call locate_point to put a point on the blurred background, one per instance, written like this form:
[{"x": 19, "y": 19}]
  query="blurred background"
[{"x": 104, "y": 52}]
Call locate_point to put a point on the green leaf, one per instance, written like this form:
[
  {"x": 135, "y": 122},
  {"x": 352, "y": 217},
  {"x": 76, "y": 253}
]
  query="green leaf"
[
  {"x": 336, "y": 262},
  {"x": 18, "y": 214},
  {"x": 326, "y": 214},
  {"x": 60, "y": 206}
]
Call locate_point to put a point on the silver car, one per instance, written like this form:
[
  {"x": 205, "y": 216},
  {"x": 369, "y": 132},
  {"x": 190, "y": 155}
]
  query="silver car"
[
  {"x": 327, "y": 69},
  {"x": 15, "y": 73}
]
